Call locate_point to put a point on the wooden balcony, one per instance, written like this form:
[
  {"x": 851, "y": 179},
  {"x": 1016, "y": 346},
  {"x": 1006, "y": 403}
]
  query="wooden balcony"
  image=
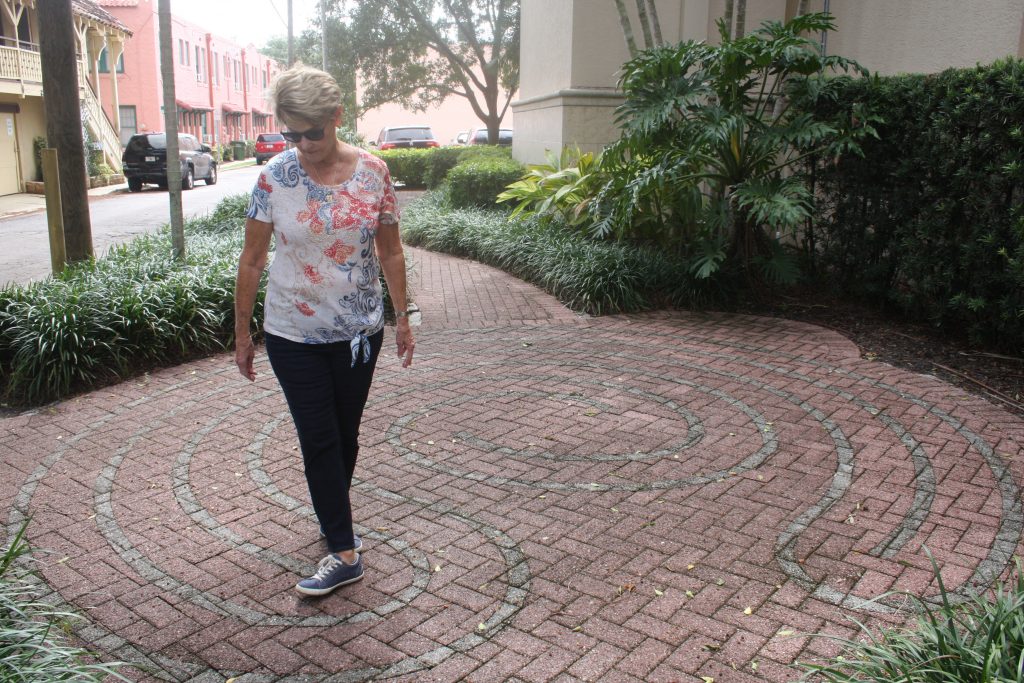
[{"x": 21, "y": 70}]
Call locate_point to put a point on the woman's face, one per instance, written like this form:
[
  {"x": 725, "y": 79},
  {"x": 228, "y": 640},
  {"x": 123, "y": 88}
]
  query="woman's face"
[{"x": 316, "y": 151}]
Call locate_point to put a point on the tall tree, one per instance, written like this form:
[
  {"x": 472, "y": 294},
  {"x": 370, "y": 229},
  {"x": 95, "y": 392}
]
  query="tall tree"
[
  {"x": 741, "y": 18},
  {"x": 650, "y": 26},
  {"x": 64, "y": 123},
  {"x": 418, "y": 52},
  {"x": 171, "y": 130}
]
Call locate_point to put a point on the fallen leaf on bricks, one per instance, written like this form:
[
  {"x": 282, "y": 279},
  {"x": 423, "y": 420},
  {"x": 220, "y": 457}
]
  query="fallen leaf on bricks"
[{"x": 748, "y": 611}]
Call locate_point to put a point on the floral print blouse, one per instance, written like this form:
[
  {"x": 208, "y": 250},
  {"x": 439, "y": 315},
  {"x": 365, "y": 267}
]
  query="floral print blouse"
[{"x": 324, "y": 281}]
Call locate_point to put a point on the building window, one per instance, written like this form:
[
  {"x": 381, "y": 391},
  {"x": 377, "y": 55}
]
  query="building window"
[
  {"x": 199, "y": 63},
  {"x": 102, "y": 65},
  {"x": 238, "y": 76},
  {"x": 188, "y": 56},
  {"x": 216, "y": 69},
  {"x": 128, "y": 122},
  {"x": 181, "y": 51}
]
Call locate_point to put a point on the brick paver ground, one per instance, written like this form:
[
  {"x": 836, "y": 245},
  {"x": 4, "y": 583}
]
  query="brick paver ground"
[{"x": 543, "y": 497}]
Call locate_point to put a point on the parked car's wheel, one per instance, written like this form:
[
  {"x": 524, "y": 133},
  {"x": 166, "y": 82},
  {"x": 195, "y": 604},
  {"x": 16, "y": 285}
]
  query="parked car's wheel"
[
  {"x": 135, "y": 184},
  {"x": 259, "y": 161},
  {"x": 189, "y": 180},
  {"x": 212, "y": 178}
]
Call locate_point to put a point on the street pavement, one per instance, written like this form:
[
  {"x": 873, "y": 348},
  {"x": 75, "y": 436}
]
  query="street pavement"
[
  {"x": 543, "y": 497},
  {"x": 116, "y": 215}
]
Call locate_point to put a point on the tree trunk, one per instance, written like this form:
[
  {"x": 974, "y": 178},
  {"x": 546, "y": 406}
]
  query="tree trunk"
[
  {"x": 728, "y": 18},
  {"x": 741, "y": 17},
  {"x": 652, "y": 13},
  {"x": 645, "y": 25},
  {"x": 64, "y": 122},
  {"x": 802, "y": 8},
  {"x": 627, "y": 27},
  {"x": 171, "y": 128}
]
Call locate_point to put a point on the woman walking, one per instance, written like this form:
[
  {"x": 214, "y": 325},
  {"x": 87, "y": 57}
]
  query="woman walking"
[{"x": 333, "y": 213}]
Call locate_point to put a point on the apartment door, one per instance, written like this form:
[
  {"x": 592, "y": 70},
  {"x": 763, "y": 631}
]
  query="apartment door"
[{"x": 10, "y": 182}]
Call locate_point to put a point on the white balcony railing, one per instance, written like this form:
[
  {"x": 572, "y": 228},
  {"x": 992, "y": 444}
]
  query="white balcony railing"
[{"x": 20, "y": 65}]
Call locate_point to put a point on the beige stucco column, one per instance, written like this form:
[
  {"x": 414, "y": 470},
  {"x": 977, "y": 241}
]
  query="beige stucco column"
[
  {"x": 115, "y": 47},
  {"x": 568, "y": 92}
]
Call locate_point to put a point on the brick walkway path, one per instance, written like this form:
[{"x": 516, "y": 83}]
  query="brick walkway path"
[{"x": 543, "y": 497}]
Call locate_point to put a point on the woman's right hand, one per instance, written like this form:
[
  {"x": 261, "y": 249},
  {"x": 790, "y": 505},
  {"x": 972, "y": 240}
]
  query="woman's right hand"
[{"x": 245, "y": 354}]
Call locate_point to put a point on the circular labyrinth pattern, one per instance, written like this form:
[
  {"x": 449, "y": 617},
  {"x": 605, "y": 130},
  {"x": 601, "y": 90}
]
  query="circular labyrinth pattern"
[
  {"x": 514, "y": 462},
  {"x": 725, "y": 369},
  {"x": 128, "y": 544}
]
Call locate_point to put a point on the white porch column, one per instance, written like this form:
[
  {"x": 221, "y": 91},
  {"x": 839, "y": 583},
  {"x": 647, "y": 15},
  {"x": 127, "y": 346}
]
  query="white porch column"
[
  {"x": 94, "y": 43},
  {"x": 115, "y": 48}
]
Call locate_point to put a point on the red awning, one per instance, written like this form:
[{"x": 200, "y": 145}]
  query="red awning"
[
  {"x": 182, "y": 104},
  {"x": 232, "y": 109}
]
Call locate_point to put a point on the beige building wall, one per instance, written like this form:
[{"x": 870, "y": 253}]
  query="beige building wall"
[{"x": 571, "y": 51}]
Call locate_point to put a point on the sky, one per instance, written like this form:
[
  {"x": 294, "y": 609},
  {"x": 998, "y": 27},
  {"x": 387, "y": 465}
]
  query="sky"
[{"x": 247, "y": 21}]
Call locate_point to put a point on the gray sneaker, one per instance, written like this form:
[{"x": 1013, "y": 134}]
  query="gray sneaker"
[{"x": 331, "y": 573}]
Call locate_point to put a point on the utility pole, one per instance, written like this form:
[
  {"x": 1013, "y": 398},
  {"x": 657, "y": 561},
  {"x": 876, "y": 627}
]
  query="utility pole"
[
  {"x": 57, "y": 43},
  {"x": 323, "y": 33},
  {"x": 291, "y": 37},
  {"x": 171, "y": 131}
]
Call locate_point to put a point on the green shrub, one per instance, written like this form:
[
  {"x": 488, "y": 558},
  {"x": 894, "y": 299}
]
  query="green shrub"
[
  {"x": 134, "y": 309},
  {"x": 978, "y": 641},
  {"x": 439, "y": 162},
  {"x": 479, "y": 178},
  {"x": 32, "y": 643},
  {"x": 225, "y": 152},
  {"x": 931, "y": 219},
  {"x": 407, "y": 166},
  {"x": 38, "y": 145},
  {"x": 565, "y": 186},
  {"x": 250, "y": 149},
  {"x": 352, "y": 137},
  {"x": 587, "y": 275}
]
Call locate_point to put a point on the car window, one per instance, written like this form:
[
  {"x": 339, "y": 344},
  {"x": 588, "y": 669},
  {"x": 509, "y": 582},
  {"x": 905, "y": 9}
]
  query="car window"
[
  {"x": 269, "y": 137},
  {"x": 185, "y": 143},
  {"x": 140, "y": 143},
  {"x": 410, "y": 133},
  {"x": 505, "y": 136}
]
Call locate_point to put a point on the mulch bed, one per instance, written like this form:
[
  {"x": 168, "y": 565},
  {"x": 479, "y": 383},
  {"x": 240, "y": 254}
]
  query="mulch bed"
[{"x": 998, "y": 377}]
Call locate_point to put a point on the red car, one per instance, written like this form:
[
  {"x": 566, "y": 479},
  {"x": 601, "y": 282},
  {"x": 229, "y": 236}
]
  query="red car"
[{"x": 269, "y": 145}]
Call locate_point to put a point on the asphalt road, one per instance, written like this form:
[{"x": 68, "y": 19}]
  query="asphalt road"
[{"x": 116, "y": 218}]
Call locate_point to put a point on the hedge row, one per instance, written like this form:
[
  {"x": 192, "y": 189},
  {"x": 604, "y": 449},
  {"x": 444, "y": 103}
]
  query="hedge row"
[{"x": 931, "y": 219}]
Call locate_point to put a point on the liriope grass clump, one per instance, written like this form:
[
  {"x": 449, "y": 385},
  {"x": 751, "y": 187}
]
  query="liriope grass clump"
[
  {"x": 33, "y": 647},
  {"x": 590, "y": 276},
  {"x": 131, "y": 310},
  {"x": 979, "y": 639}
]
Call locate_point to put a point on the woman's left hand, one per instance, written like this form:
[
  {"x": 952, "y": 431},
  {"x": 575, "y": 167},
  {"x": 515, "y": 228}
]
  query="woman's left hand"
[{"x": 406, "y": 342}]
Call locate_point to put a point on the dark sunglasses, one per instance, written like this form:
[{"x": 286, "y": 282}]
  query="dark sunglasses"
[{"x": 313, "y": 134}]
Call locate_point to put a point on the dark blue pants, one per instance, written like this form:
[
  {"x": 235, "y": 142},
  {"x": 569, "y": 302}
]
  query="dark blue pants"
[{"x": 326, "y": 396}]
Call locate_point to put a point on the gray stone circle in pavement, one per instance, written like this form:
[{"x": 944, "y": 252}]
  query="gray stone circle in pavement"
[
  {"x": 1012, "y": 517},
  {"x": 709, "y": 366},
  {"x": 517, "y": 573}
]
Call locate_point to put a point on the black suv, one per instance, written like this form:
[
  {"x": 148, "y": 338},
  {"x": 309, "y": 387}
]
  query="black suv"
[{"x": 145, "y": 161}]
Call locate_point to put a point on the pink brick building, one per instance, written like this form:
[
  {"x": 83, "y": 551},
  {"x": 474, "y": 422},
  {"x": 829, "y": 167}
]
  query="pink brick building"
[{"x": 219, "y": 85}]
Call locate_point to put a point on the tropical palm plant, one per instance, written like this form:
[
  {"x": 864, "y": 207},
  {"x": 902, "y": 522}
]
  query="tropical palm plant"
[
  {"x": 565, "y": 186},
  {"x": 712, "y": 141}
]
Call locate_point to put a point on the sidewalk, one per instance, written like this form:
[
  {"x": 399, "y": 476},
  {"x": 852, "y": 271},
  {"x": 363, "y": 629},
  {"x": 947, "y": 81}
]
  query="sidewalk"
[{"x": 543, "y": 497}]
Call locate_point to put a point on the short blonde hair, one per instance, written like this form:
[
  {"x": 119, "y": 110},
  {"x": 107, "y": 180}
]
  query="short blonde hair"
[{"x": 302, "y": 93}]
